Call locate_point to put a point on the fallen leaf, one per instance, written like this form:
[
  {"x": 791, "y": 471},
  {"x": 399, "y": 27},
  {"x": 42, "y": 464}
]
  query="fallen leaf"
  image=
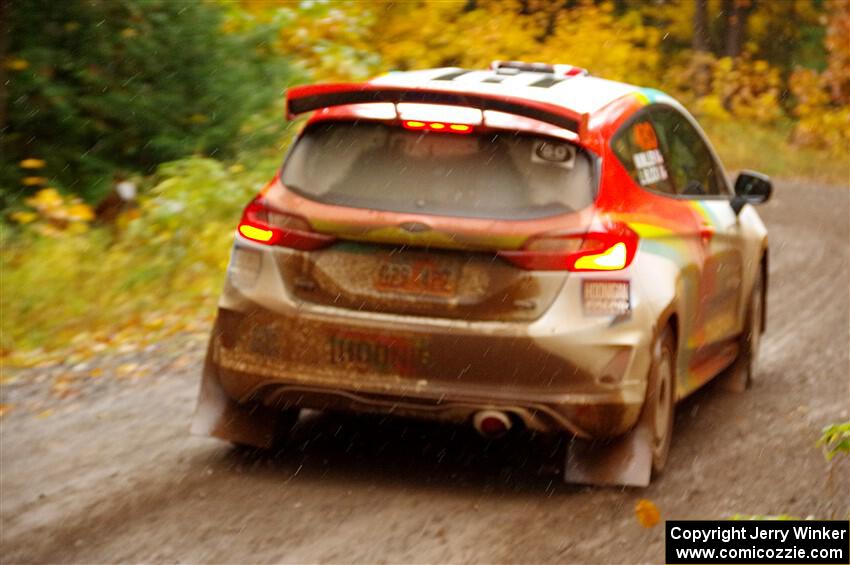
[
  {"x": 62, "y": 384},
  {"x": 126, "y": 369},
  {"x": 5, "y": 409},
  {"x": 647, "y": 513}
]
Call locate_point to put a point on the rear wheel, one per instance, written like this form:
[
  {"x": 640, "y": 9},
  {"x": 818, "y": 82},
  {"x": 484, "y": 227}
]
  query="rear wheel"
[
  {"x": 741, "y": 374},
  {"x": 659, "y": 407},
  {"x": 751, "y": 338}
]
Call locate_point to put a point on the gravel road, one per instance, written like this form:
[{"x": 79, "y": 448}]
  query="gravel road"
[{"x": 111, "y": 474}]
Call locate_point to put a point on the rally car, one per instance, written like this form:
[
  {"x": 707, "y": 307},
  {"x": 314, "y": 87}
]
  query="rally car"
[{"x": 521, "y": 246}]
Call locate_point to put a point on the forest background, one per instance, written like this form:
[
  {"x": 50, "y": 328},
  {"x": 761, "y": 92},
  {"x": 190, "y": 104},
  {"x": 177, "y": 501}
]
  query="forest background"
[{"x": 184, "y": 100}]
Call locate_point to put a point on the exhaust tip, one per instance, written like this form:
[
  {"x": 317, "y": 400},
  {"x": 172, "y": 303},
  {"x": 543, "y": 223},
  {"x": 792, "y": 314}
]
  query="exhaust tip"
[{"x": 491, "y": 423}]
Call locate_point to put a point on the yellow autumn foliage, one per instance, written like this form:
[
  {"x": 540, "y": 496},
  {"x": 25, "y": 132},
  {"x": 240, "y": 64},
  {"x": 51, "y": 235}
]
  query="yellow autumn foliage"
[
  {"x": 356, "y": 40},
  {"x": 591, "y": 36},
  {"x": 823, "y": 99},
  {"x": 32, "y": 163},
  {"x": 641, "y": 43},
  {"x": 52, "y": 213},
  {"x": 16, "y": 64},
  {"x": 33, "y": 181}
]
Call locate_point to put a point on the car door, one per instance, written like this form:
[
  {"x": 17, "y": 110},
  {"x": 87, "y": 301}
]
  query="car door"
[{"x": 698, "y": 180}]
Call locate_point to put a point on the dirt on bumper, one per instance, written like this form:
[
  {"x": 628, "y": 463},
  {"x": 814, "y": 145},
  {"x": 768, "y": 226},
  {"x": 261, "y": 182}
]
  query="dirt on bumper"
[{"x": 447, "y": 373}]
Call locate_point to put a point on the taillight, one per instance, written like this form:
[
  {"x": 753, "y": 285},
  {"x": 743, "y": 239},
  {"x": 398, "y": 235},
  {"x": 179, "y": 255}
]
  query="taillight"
[
  {"x": 265, "y": 225},
  {"x": 610, "y": 250},
  {"x": 436, "y": 126}
]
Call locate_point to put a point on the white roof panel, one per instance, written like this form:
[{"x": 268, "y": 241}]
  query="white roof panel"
[{"x": 583, "y": 94}]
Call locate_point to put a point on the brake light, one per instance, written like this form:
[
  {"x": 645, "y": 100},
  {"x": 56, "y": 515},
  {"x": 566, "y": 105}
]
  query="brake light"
[
  {"x": 609, "y": 250},
  {"x": 258, "y": 234},
  {"x": 436, "y": 126},
  {"x": 612, "y": 259},
  {"x": 271, "y": 227}
]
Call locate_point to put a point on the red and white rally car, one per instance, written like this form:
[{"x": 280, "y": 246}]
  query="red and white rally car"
[{"x": 526, "y": 245}]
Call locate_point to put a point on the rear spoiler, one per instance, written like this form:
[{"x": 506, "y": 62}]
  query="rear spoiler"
[{"x": 301, "y": 99}]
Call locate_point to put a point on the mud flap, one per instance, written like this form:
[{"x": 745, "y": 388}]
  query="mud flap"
[
  {"x": 218, "y": 415},
  {"x": 622, "y": 461}
]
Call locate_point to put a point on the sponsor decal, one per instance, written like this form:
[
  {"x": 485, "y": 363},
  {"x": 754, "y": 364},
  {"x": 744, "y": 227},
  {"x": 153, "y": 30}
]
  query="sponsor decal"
[
  {"x": 606, "y": 297},
  {"x": 650, "y": 167},
  {"x": 379, "y": 353},
  {"x": 644, "y": 136},
  {"x": 649, "y": 162}
]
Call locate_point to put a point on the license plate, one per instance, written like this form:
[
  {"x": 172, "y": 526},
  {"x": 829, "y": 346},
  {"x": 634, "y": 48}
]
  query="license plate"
[{"x": 416, "y": 276}]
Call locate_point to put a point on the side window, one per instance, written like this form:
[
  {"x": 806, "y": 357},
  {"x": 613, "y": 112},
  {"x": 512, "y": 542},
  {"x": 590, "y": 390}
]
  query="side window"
[
  {"x": 691, "y": 166},
  {"x": 637, "y": 148}
]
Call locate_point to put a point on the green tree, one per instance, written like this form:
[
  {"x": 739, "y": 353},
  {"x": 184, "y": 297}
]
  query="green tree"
[{"x": 97, "y": 87}]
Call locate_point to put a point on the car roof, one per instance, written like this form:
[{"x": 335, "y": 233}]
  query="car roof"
[{"x": 581, "y": 93}]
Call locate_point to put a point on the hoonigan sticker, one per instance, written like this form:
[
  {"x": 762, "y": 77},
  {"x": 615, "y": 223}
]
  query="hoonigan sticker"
[{"x": 379, "y": 353}]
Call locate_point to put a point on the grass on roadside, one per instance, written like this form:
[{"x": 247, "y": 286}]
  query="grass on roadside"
[
  {"x": 769, "y": 151},
  {"x": 157, "y": 273}
]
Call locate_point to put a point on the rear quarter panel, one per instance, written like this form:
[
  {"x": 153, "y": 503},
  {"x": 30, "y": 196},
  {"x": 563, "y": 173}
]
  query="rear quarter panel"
[{"x": 668, "y": 268}]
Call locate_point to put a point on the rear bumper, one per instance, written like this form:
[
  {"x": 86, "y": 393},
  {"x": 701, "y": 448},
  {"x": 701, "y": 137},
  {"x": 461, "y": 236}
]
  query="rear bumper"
[
  {"x": 315, "y": 361},
  {"x": 563, "y": 371}
]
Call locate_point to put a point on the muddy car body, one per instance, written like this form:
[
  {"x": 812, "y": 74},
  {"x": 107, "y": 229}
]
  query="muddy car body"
[{"x": 524, "y": 245}]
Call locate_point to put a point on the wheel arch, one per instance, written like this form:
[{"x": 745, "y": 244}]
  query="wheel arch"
[{"x": 670, "y": 318}]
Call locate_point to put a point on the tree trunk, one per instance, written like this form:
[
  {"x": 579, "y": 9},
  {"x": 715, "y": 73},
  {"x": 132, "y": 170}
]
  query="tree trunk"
[
  {"x": 700, "y": 39},
  {"x": 4, "y": 48},
  {"x": 736, "y": 13},
  {"x": 700, "y": 44}
]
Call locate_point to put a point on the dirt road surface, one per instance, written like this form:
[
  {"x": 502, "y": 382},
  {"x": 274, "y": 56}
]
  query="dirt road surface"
[{"x": 112, "y": 474}]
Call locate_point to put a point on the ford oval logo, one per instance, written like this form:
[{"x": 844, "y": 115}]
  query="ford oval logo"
[{"x": 414, "y": 227}]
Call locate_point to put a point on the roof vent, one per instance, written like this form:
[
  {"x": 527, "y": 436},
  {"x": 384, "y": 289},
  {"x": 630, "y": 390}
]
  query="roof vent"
[{"x": 516, "y": 67}]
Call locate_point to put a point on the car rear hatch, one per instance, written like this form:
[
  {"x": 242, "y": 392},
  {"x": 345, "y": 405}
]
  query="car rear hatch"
[
  {"x": 424, "y": 221},
  {"x": 422, "y": 282}
]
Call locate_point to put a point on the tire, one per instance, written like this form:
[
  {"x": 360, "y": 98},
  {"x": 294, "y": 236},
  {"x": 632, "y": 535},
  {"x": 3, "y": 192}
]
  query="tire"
[
  {"x": 285, "y": 420},
  {"x": 660, "y": 403},
  {"x": 282, "y": 422},
  {"x": 750, "y": 343}
]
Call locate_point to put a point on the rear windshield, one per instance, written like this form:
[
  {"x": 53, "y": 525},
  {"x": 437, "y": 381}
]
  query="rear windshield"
[{"x": 488, "y": 175}]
